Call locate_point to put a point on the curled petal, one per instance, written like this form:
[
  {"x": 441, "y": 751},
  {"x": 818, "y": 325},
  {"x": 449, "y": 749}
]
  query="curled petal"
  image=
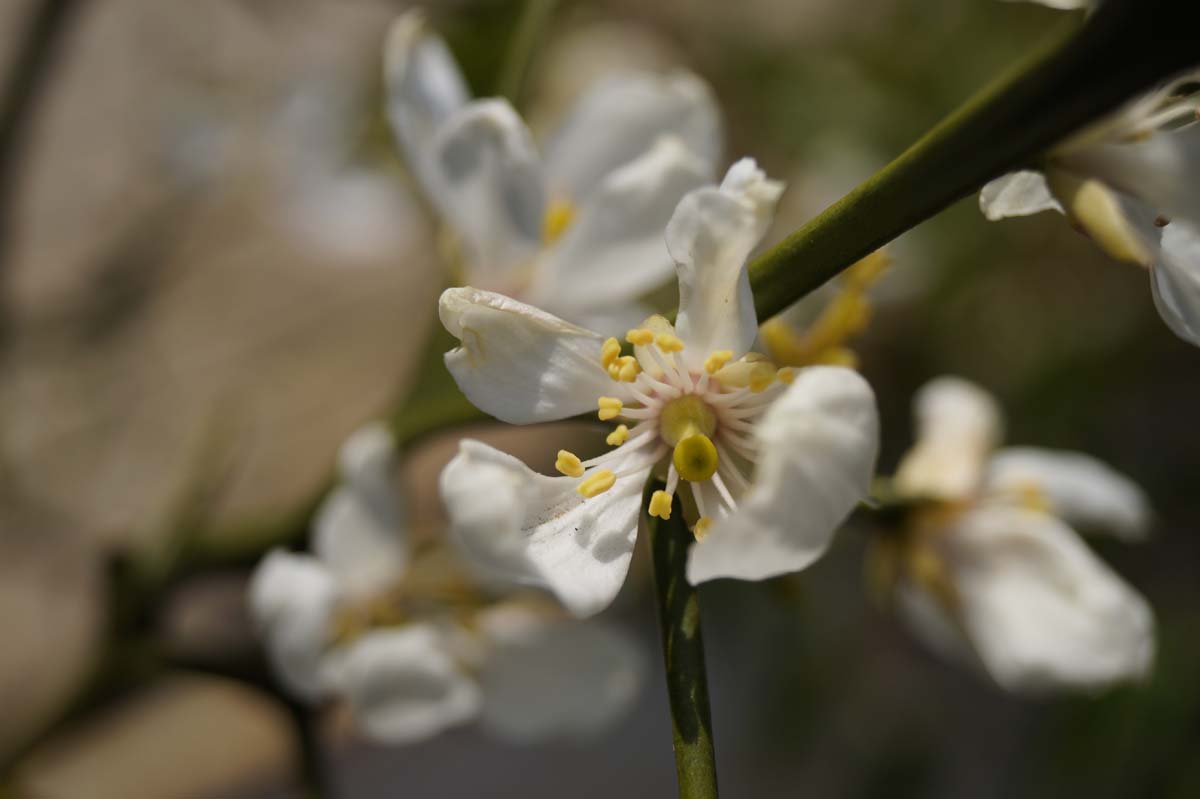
[
  {"x": 487, "y": 183},
  {"x": 621, "y": 117},
  {"x": 292, "y": 599},
  {"x": 710, "y": 237},
  {"x": 521, "y": 364},
  {"x": 614, "y": 252},
  {"x": 524, "y": 527},
  {"x": 1017, "y": 194},
  {"x": 1175, "y": 280},
  {"x": 958, "y": 424},
  {"x": 1077, "y": 488},
  {"x": 817, "y": 446},
  {"x": 403, "y": 686}
]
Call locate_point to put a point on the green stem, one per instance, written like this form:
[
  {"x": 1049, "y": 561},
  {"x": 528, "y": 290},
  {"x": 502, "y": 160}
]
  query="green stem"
[
  {"x": 534, "y": 17},
  {"x": 1124, "y": 48},
  {"x": 683, "y": 653}
]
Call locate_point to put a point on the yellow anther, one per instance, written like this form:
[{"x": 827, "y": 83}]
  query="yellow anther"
[
  {"x": 640, "y": 336},
  {"x": 668, "y": 342},
  {"x": 717, "y": 359},
  {"x": 762, "y": 375},
  {"x": 556, "y": 220},
  {"x": 660, "y": 505},
  {"x": 610, "y": 408},
  {"x": 786, "y": 375},
  {"x": 1031, "y": 497},
  {"x": 617, "y": 437},
  {"x": 610, "y": 352},
  {"x": 625, "y": 369},
  {"x": 569, "y": 464},
  {"x": 695, "y": 457},
  {"x": 599, "y": 482},
  {"x": 701, "y": 528}
]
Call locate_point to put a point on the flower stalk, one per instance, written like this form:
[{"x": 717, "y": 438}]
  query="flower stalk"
[{"x": 683, "y": 652}]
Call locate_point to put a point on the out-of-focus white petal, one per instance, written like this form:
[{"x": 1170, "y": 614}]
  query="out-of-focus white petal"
[
  {"x": 292, "y": 599},
  {"x": 424, "y": 87},
  {"x": 620, "y": 118},
  {"x": 817, "y": 446},
  {"x": 402, "y": 686},
  {"x": 1175, "y": 280},
  {"x": 548, "y": 678},
  {"x": 929, "y": 621},
  {"x": 1078, "y": 488},
  {"x": 1017, "y": 194},
  {"x": 1040, "y": 609},
  {"x": 521, "y": 364},
  {"x": 1064, "y": 5},
  {"x": 487, "y": 183},
  {"x": 958, "y": 424},
  {"x": 521, "y": 526},
  {"x": 614, "y": 251},
  {"x": 710, "y": 236}
]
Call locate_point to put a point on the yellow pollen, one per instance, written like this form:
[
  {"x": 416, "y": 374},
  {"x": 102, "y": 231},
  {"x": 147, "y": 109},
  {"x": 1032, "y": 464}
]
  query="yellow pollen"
[
  {"x": 660, "y": 505},
  {"x": 761, "y": 376},
  {"x": 1031, "y": 497},
  {"x": 786, "y": 375},
  {"x": 717, "y": 359},
  {"x": 668, "y": 342},
  {"x": 597, "y": 484},
  {"x": 701, "y": 528},
  {"x": 617, "y": 437},
  {"x": 610, "y": 408},
  {"x": 624, "y": 369},
  {"x": 558, "y": 217},
  {"x": 640, "y": 336},
  {"x": 569, "y": 464},
  {"x": 609, "y": 352},
  {"x": 695, "y": 457}
]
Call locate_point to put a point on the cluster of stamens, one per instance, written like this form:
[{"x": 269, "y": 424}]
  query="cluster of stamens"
[{"x": 704, "y": 418}]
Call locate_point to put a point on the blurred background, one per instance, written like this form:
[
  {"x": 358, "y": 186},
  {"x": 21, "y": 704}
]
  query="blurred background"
[{"x": 214, "y": 267}]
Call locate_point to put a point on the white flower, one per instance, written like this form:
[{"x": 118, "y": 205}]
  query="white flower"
[
  {"x": 1064, "y": 5},
  {"x": 991, "y": 570},
  {"x": 1132, "y": 183},
  {"x": 410, "y": 647},
  {"x": 772, "y": 460},
  {"x": 579, "y": 232}
]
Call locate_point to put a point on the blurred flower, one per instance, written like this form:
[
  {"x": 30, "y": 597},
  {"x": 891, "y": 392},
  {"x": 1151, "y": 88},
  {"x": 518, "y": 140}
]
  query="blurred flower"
[
  {"x": 987, "y": 567},
  {"x": 774, "y": 459},
  {"x": 1132, "y": 183},
  {"x": 579, "y": 232},
  {"x": 410, "y": 644},
  {"x": 1065, "y": 5}
]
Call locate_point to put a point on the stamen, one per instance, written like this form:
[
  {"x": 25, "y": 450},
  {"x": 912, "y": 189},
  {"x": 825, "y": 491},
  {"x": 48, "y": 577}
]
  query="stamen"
[
  {"x": 786, "y": 375},
  {"x": 556, "y": 220},
  {"x": 624, "y": 369},
  {"x": 723, "y": 490},
  {"x": 762, "y": 375},
  {"x": 569, "y": 464},
  {"x": 717, "y": 359},
  {"x": 609, "y": 352},
  {"x": 610, "y": 408},
  {"x": 597, "y": 483},
  {"x": 660, "y": 505},
  {"x": 668, "y": 342},
  {"x": 617, "y": 437},
  {"x": 701, "y": 528},
  {"x": 640, "y": 336}
]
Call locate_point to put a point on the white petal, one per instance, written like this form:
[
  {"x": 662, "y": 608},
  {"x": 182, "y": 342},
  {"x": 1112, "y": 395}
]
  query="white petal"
[
  {"x": 292, "y": 599},
  {"x": 521, "y": 364},
  {"x": 1175, "y": 280},
  {"x": 614, "y": 251},
  {"x": 817, "y": 445},
  {"x": 1064, "y": 5},
  {"x": 620, "y": 118},
  {"x": 1017, "y": 194},
  {"x": 1043, "y": 612},
  {"x": 518, "y": 525},
  {"x": 553, "y": 678},
  {"x": 402, "y": 685},
  {"x": 1079, "y": 489},
  {"x": 710, "y": 237},
  {"x": 958, "y": 424},
  {"x": 424, "y": 87},
  {"x": 487, "y": 183}
]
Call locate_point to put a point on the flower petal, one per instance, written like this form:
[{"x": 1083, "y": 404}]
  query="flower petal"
[
  {"x": 1078, "y": 488},
  {"x": 1017, "y": 194},
  {"x": 549, "y": 677},
  {"x": 521, "y": 364},
  {"x": 424, "y": 87},
  {"x": 403, "y": 686},
  {"x": 1175, "y": 280},
  {"x": 487, "y": 183},
  {"x": 1040, "y": 609},
  {"x": 619, "y": 118},
  {"x": 614, "y": 252},
  {"x": 524, "y": 527},
  {"x": 292, "y": 599},
  {"x": 710, "y": 237},
  {"x": 817, "y": 445},
  {"x": 958, "y": 424}
]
